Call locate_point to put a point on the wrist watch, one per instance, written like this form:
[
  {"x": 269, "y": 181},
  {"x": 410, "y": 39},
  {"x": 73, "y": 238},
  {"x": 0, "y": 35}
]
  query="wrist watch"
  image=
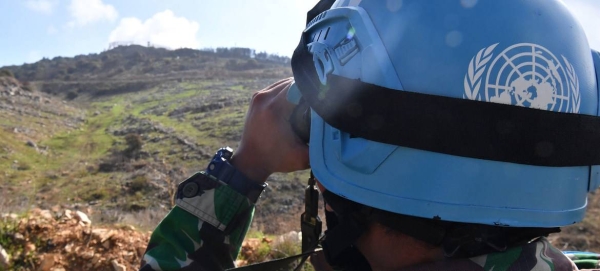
[{"x": 220, "y": 168}]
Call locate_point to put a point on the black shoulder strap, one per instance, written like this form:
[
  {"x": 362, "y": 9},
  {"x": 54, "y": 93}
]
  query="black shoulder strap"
[
  {"x": 276, "y": 265},
  {"x": 311, "y": 233}
]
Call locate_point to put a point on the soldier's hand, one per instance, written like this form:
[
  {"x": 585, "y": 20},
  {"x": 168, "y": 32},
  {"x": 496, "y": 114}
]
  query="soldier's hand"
[{"x": 268, "y": 142}]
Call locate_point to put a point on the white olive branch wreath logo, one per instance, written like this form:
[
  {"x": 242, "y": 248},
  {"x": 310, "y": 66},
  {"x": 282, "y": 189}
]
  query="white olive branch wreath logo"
[
  {"x": 479, "y": 64},
  {"x": 476, "y": 69},
  {"x": 574, "y": 85}
]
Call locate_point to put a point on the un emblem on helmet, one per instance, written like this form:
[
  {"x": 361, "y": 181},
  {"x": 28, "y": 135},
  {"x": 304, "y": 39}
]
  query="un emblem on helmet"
[{"x": 524, "y": 74}]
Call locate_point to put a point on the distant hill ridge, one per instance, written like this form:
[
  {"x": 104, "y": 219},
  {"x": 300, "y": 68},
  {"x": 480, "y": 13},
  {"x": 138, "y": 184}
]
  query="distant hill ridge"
[{"x": 134, "y": 67}]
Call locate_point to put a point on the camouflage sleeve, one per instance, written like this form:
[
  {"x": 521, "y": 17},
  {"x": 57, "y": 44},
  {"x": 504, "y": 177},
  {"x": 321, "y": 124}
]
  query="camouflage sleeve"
[
  {"x": 204, "y": 231},
  {"x": 584, "y": 260}
]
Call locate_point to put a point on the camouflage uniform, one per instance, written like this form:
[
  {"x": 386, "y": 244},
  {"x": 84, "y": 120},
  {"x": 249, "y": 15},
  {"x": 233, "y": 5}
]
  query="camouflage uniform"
[
  {"x": 183, "y": 241},
  {"x": 535, "y": 256},
  {"x": 204, "y": 232}
]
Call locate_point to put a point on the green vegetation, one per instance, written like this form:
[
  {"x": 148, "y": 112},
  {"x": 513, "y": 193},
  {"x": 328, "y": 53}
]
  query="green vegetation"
[
  {"x": 25, "y": 257},
  {"x": 112, "y": 156},
  {"x": 6, "y": 73},
  {"x": 134, "y": 145},
  {"x": 268, "y": 249}
]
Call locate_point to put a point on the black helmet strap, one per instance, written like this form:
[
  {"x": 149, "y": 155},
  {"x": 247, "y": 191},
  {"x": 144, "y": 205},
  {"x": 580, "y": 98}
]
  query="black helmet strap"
[
  {"x": 454, "y": 126},
  {"x": 344, "y": 227}
]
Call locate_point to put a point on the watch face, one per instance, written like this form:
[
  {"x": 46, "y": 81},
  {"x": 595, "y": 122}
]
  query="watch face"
[{"x": 225, "y": 153}]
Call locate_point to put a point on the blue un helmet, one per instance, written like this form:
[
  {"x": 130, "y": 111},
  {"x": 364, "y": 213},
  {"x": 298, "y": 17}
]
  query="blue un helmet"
[{"x": 464, "y": 111}]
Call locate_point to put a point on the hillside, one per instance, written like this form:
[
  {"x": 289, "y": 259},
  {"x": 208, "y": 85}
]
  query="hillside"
[
  {"x": 113, "y": 133},
  {"x": 137, "y": 121}
]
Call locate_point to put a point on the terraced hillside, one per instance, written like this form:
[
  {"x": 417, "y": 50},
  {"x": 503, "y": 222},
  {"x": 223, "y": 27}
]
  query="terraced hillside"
[{"x": 119, "y": 137}]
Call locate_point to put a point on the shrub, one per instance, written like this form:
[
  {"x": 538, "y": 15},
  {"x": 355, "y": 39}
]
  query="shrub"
[
  {"x": 27, "y": 86},
  {"x": 72, "y": 95},
  {"x": 134, "y": 145},
  {"x": 23, "y": 166},
  {"x": 139, "y": 183},
  {"x": 96, "y": 195},
  {"x": 6, "y": 73}
]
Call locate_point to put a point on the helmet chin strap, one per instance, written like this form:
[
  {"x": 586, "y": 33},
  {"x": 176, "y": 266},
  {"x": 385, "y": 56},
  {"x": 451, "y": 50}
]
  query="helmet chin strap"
[
  {"x": 310, "y": 222},
  {"x": 344, "y": 228}
]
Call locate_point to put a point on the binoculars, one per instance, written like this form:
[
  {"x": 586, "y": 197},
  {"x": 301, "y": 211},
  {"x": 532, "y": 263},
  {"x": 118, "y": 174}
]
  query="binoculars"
[{"x": 300, "y": 117}]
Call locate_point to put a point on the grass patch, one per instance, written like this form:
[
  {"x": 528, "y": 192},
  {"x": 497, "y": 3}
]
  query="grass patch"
[
  {"x": 271, "y": 247},
  {"x": 20, "y": 259}
]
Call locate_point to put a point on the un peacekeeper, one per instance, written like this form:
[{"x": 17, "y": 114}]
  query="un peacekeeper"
[{"x": 444, "y": 135}]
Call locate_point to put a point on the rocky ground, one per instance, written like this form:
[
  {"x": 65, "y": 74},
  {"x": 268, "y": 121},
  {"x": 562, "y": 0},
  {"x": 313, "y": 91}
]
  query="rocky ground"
[
  {"x": 63, "y": 239},
  {"x": 55, "y": 240},
  {"x": 34, "y": 115}
]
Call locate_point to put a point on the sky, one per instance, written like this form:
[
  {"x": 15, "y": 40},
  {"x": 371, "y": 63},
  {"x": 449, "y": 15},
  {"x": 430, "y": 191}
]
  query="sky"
[{"x": 33, "y": 29}]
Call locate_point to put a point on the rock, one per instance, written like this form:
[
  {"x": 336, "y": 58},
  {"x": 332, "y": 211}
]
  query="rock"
[
  {"x": 129, "y": 227},
  {"x": 55, "y": 209},
  {"x": 82, "y": 217},
  {"x": 31, "y": 144},
  {"x": 102, "y": 235},
  {"x": 97, "y": 260},
  {"x": 10, "y": 216},
  {"x": 63, "y": 244},
  {"x": 250, "y": 247},
  {"x": 239, "y": 263},
  {"x": 4, "y": 258},
  {"x": 68, "y": 214},
  {"x": 19, "y": 237},
  {"x": 46, "y": 214},
  {"x": 87, "y": 255},
  {"x": 29, "y": 248},
  {"x": 106, "y": 245},
  {"x": 46, "y": 262},
  {"x": 127, "y": 255},
  {"x": 117, "y": 266},
  {"x": 69, "y": 248}
]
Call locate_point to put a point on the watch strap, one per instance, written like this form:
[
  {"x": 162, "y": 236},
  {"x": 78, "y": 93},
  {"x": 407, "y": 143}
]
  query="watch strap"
[{"x": 221, "y": 169}]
